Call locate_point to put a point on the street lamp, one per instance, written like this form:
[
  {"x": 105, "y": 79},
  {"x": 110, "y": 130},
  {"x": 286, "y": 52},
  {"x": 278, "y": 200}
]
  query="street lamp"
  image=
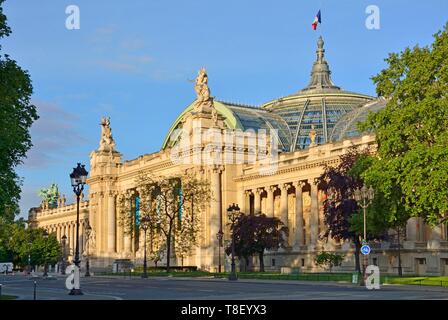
[
  {"x": 88, "y": 232},
  {"x": 78, "y": 179},
  {"x": 233, "y": 213},
  {"x": 364, "y": 197},
  {"x": 64, "y": 253},
  {"x": 219, "y": 236},
  {"x": 144, "y": 224},
  {"x": 45, "y": 235}
]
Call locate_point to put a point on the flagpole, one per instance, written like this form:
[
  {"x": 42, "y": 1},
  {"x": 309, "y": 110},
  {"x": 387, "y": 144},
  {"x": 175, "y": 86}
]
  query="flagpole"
[{"x": 321, "y": 24}]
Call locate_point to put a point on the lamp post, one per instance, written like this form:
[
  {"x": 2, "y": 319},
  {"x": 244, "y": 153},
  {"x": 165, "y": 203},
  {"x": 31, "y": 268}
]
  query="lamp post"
[
  {"x": 219, "y": 236},
  {"x": 233, "y": 213},
  {"x": 144, "y": 224},
  {"x": 364, "y": 197},
  {"x": 64, "y": 254},
  {"x": 45, "y": 235},
  {"x": 88, "y": 232},
  {"x": 78, "y": 179}
]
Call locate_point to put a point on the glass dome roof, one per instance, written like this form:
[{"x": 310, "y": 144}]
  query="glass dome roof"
[
  {"x": 321, "y": 104},
  {"x": 347, "y": 128},
  {"x": 242, "y": 117},
  {"x": 330, "y": 110}
]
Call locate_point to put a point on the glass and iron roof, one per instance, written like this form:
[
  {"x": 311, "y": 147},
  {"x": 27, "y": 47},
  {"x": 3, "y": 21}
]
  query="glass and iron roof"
[
  {"x": 347, "y": 126},
  {"x": 330, "y": 110},
  {"x": 242, "y": 117}
]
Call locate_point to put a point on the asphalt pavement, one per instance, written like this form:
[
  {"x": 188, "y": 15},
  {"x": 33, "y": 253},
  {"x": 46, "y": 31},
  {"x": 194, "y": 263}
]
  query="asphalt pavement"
[{"x": 169, "y": 288}]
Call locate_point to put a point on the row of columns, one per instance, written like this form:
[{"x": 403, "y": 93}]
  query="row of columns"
[
  {"x": 68, "y": 229},
  {"x": 298, "y": 227}
]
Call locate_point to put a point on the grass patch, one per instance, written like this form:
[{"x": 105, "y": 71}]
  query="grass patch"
[
  {"x": 7, "y": 297},
  {"x": 339, "y": 277},
  {"x": 421, "y": 281}
]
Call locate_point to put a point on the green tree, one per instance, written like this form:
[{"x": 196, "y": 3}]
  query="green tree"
[
  {"x": 45, "y": 250},
  {"x": 24, "y": 244},
  {"x": 342, "y": 214},
  {"x": 173, "y": 206},
  {"x": 256, "y": 233},
  {"x": 411, "y": 169},
  {"x": 329, "y": 259},
  {"x": 17, "y": 115}
]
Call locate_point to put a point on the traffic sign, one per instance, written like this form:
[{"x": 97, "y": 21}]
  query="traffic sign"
[{"x": 365, "y": 249}]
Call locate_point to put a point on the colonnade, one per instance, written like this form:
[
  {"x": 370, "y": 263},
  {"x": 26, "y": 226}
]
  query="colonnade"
[{"x": 292, "y": 215}]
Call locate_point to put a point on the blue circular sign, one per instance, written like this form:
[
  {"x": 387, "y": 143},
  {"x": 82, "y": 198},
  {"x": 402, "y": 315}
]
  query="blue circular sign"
[{"x": 365, "y": 249}]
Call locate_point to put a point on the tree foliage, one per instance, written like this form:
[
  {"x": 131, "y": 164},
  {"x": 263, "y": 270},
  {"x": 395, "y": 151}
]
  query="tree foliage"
[
  {"x": 254, "y": 234},
  {"x": 16, "y": 117},
  {"x": 173, "y": 206},
  {"x": 411, "y": 169},
  {"x": 329, "y": 259},
  {"x": 18, "y": 244},
  {"x": 342, "y": 215}
]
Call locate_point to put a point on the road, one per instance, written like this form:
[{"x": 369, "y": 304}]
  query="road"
[{"x": 161, "y": 288}]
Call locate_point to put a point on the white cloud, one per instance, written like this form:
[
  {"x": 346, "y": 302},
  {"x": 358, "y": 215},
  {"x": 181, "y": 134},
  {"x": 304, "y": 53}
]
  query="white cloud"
[{"x": 53, "y": 135}]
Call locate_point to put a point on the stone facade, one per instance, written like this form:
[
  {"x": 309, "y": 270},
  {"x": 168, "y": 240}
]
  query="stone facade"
[{"x": 289, "y": 192}]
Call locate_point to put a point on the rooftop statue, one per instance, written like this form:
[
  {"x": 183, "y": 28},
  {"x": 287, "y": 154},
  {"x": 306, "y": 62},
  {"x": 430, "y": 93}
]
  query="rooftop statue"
[
  {"x": 50, "y": 196},
  {"x": 107, "y": 142},
  {"x": 201, "y": 87},
  {"x": 313, "y": 136}
]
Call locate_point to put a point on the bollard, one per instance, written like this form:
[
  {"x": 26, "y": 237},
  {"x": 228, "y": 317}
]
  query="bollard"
[{"x": 35, "y": 283}]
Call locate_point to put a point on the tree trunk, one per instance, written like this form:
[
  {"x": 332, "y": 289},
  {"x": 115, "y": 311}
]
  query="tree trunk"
[
  {"x": 357, "y": 260},
  {"x": 400, "y": 270},
  {"x": 168, "y": 247},
  {"x": 261, "y": 257}
]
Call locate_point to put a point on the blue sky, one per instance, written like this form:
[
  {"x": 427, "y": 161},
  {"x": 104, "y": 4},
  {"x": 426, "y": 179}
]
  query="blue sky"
[{"x": 132, "y": 61}]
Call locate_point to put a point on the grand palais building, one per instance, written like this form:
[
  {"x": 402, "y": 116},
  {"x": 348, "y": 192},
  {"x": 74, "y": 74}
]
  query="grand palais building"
[{"x": 312, "y": 127}]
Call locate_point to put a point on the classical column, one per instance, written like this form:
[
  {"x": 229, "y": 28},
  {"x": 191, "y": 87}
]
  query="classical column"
[
  {"x": 58, "y": 233},
  {"x": 81, "y": 237},
  {"x": 421, "y": 229},
  {"x": 215, "y": 213},
  {"x": 257, "y": 200},
  {"x": 215, "y": 205},
  {"x": 298, "y": 236},
  {"x": 120, "y": 233},
  {"x": 436, "y": 232},
  {"x": 314, "y": 215},
  {"x": 284, "y": 203},
  {"x": 63, "y": 231},
  {"x": 411, "y": 229},
  {"x": 270, "y": 201},
  {"x": 245, "y": 207},
  {"x": 111, "y": 231},
  {"x": 127, "y": 236},
  {"x": 70, "y": 236}
]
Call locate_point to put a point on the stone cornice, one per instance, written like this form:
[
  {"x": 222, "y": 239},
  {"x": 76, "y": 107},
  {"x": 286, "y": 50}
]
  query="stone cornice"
[{"x": 301, "y": 167}]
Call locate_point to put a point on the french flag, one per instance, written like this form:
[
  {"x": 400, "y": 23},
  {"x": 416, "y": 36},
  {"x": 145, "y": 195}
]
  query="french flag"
[{"x": 316, "y": 21}]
